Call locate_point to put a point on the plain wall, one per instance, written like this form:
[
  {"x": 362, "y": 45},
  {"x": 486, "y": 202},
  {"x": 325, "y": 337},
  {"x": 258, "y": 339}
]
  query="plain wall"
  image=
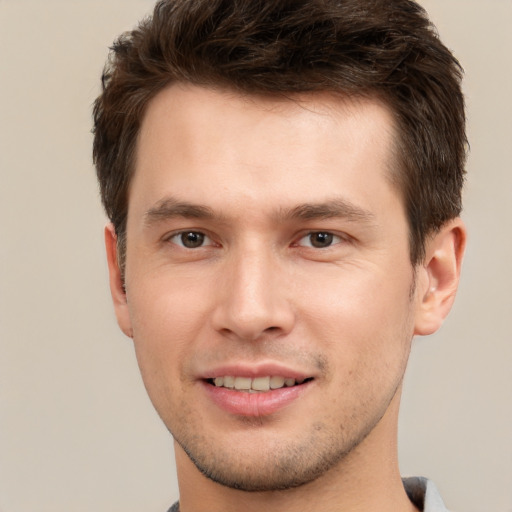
[{"x": 77, "y": 432}]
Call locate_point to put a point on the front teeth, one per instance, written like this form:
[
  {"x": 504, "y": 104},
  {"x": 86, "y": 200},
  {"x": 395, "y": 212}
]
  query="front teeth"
[{"x": 256, "y": 384}]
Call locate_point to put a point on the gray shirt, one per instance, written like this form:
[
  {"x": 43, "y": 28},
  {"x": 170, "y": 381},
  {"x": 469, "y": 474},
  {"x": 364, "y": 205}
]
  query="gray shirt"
[{"x": 422, "y": 492}]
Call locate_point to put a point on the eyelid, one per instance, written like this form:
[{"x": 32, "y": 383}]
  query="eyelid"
[
  {"x": 337, "y": 238},
  {"x": 173, "y": 238}
]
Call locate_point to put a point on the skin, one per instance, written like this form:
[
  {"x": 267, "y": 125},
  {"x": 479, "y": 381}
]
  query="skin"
[{"x": 263, "y": 183}]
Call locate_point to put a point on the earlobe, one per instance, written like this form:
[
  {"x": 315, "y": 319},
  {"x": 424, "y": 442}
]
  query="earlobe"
[
  {"x": 117, "y": 289},
  {"x": 438, "y": 277}
]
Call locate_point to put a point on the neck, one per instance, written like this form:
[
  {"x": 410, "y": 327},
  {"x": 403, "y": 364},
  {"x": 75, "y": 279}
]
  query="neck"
[{"x": 366, "y": 480}]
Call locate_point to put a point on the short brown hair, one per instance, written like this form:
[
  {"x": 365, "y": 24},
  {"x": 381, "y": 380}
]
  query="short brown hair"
[{"x": 382, "y": 48}]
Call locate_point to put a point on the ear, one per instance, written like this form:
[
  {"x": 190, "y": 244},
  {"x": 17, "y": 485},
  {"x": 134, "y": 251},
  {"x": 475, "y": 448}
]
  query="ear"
[
  {"x": 438, "y": 277},
  {"x": 116, "y": 282}
]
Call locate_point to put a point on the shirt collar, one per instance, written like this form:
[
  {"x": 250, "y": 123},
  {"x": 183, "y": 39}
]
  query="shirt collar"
[{"x": 424, "y": 494}]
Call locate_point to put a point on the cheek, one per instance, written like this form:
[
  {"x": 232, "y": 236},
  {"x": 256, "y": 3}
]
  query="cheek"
[
  {"x": 167, "y": 306},
  {"x": 352, "y": 294},
  {"x": 165, "y": 319},
  {"x": 363, "y": 316}
]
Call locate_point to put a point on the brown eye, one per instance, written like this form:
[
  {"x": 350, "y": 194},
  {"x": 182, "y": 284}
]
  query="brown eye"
[
  {"x": 190, "y": 239},
  {"x": 320, "y": 240}
]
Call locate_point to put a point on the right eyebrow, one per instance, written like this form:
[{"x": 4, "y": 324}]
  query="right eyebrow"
[{"x": 169, "y": 208}]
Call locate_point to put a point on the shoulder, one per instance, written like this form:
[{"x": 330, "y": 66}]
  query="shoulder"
[{"x": 424, "y": 494}]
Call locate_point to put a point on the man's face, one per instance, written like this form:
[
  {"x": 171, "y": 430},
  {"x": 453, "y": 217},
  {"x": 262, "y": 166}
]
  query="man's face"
[{"x": 267, "y": 248}]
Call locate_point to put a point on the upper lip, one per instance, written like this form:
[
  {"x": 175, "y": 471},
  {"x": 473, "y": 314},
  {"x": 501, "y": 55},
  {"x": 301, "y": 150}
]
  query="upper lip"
[{"x": 253, "y": 370}]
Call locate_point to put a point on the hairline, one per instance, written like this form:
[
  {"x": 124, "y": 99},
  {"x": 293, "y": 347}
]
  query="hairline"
[{"x": 395, "y": 167}]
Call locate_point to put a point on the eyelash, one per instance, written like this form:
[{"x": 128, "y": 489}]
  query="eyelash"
[
  {"x": 331, "y": 238},
  {"x": 173, "y": 238}
]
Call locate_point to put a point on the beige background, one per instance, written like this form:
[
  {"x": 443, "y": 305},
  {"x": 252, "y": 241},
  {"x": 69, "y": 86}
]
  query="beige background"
[{"x": 77, "y": 432}]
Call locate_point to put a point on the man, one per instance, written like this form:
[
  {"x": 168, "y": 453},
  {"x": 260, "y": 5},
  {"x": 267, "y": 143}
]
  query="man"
[{"x": 283, "y": 181}]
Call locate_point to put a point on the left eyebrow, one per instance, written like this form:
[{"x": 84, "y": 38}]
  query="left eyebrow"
[
  {"x": 335, "y": 208},
  {"x": 170, "y": 207}
]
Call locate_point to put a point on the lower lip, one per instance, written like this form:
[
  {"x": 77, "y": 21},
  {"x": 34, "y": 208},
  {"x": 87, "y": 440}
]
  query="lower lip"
[{"x": 254, "y": 404}]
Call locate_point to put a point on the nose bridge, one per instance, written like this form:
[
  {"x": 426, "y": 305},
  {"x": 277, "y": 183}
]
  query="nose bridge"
[{"x": 253, "y": 301}]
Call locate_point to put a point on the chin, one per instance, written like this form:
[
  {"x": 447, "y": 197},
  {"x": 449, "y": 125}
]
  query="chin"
[{"x": 276, "y": 466}]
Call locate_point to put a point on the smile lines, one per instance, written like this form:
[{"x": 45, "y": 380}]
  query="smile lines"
[{"x": 258, "y": 384}]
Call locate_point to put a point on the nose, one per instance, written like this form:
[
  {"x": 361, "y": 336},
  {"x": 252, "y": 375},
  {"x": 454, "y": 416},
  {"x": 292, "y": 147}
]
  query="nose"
[{"x": 252, "y": 301}]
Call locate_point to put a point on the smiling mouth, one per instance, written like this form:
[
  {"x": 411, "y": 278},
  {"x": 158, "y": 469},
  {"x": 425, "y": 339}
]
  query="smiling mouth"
[{"x": 257, "y": 384}]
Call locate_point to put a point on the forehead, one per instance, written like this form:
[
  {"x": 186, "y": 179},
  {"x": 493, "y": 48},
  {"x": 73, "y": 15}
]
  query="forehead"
[
  {"x": 183, "y": 103},
  {"x": 234, "y": 145}
]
